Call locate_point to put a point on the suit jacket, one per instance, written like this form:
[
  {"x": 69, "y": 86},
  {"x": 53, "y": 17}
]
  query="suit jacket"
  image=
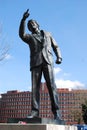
[{"x": 39, "y": 48}]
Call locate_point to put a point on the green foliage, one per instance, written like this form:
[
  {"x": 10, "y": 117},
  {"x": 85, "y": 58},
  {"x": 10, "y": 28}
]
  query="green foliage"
[{"x": 84, "y": 112}]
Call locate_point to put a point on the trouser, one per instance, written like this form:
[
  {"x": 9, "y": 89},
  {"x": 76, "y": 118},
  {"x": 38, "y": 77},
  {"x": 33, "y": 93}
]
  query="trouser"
[{"x": 36, "y": 75}]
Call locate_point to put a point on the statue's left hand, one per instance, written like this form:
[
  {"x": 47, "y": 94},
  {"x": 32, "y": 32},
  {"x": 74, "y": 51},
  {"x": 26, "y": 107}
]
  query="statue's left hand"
[{"x": 59, "y": 60}]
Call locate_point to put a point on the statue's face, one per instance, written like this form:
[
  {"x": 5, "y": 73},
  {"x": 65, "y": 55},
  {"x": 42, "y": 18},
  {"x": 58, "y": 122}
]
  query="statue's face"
[{"x": 33, "y": 25}]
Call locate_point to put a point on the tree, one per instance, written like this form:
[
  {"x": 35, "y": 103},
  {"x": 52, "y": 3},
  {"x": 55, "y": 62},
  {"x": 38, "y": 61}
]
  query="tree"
[
  {"x": 75, "y": 115},
  {"x": 84, "y": 111},
  {"x": 78, "y": 101},
  {"x": 4, "y": 47}
]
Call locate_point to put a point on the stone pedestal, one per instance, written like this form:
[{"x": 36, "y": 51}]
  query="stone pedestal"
[
  {"x": 36, "y": 120},
  {"x": 35, "y": 127}
]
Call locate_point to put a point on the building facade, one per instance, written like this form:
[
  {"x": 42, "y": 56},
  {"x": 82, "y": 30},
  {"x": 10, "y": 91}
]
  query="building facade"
[{"x": 16, "y": 104}]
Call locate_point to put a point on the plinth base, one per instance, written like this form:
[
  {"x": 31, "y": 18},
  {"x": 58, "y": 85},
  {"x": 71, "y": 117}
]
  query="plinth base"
[
  {"x": 36, "y": 120},
  {"x": 11, "y": 126}
]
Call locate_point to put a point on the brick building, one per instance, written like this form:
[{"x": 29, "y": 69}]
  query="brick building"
[{"x": 16, "y": 104}]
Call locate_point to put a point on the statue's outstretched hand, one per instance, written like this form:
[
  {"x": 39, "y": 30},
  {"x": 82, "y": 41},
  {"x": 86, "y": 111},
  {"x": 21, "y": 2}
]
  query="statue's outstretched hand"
[
  {"x": 26, "y": 14},
  {"x": 59, "y": 60}
]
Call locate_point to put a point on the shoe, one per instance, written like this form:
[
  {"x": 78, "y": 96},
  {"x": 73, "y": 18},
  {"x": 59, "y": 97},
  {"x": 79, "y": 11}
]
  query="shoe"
[
  {"x": 57, "y": 115},
  {"x": 33, "y": 114}
]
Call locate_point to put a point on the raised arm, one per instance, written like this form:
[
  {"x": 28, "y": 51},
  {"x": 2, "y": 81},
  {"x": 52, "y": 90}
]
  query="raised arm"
[{"x": 22, "y": 34}]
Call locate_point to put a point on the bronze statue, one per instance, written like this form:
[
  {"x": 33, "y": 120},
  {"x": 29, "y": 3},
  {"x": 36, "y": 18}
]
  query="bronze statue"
[{"x": 41, "y": 61}]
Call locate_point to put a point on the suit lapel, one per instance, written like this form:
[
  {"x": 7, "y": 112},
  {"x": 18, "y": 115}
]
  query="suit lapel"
[
  {"x": 37, "y": 37},
  {"x": 44, "y": 37}
]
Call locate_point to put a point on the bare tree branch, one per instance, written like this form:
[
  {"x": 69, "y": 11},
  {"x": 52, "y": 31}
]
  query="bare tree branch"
[{"x": 4, "y": 47}]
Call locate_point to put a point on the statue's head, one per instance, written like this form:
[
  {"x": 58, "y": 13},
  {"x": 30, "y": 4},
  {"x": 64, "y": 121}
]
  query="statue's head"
[{"x": 32, "y": 25}]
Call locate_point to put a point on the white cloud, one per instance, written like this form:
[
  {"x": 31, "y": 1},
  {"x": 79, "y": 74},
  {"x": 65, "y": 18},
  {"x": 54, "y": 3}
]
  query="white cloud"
[
  {"x": 66, "y": 74},
  {"x": 8, "y": 56},
  {"x": 61, "y": 83},
  {"x": 68, "y": 83},
  {"x": 57, "y": 70},
  {"x": 0, "y": 96}
]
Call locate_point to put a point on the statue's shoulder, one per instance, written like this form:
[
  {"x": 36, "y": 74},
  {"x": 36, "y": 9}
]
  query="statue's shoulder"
[{"x": 47, "y": 33}]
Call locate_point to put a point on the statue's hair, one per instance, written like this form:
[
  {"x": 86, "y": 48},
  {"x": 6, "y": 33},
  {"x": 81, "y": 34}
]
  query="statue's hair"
[{"x": 29, "y": 25}]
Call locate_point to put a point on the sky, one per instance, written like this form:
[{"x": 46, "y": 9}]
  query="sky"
[{"x": 67, "y": 22}]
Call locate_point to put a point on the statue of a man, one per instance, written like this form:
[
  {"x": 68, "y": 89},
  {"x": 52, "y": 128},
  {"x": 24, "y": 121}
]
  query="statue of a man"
[{"x": 41, "y": 61}]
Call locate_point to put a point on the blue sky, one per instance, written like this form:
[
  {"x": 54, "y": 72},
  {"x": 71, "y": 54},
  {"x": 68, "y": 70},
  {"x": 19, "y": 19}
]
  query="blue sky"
[{"x": 67, "y": 22}]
